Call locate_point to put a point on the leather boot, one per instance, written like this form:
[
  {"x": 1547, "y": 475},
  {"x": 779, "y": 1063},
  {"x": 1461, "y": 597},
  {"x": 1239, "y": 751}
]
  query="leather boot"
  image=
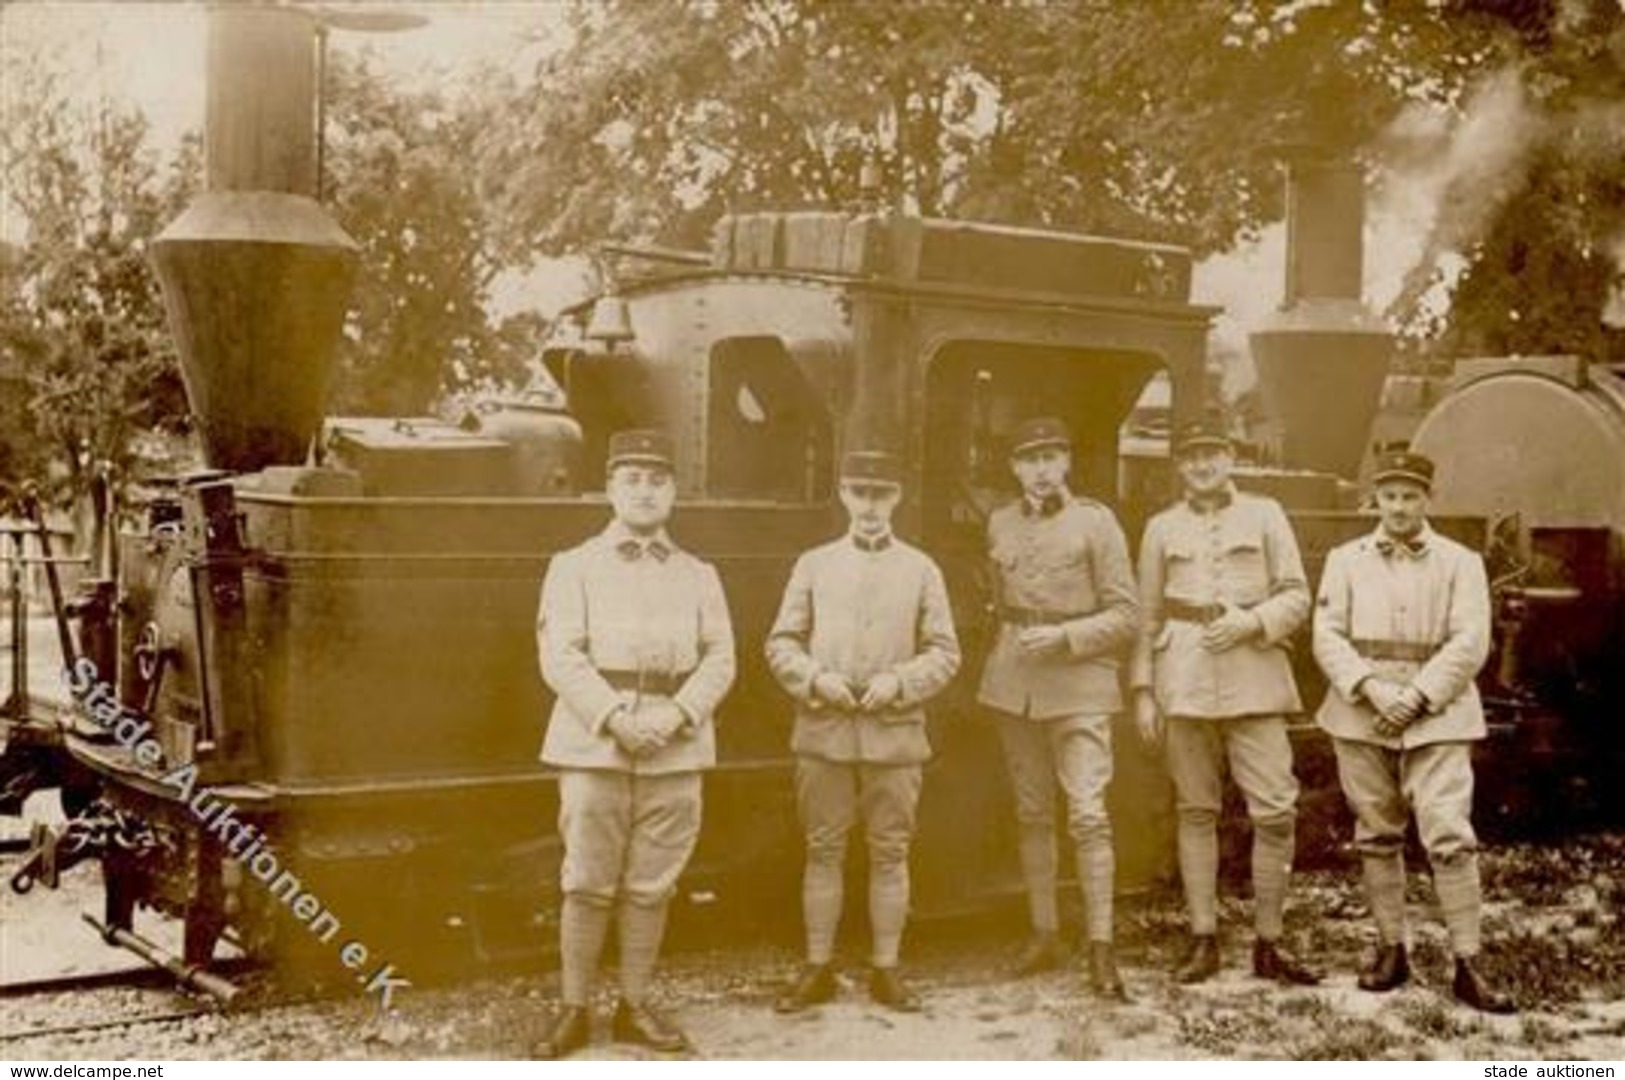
[
  {"x": 1391, "y": 968},
  {"x": 1103, "y": 976},
  {"x": 1473, "y": 989},
  {"x": 889, "y": 989},
  {"x": 1201, "y": 962},
  {"x": 1270, "y": 961},
  {"x": 1043, "y": 953},
  {"x": 814, "y": 986},
  {"x": 571, "y": 1030},
  {"x": 641, "y": 1025}
]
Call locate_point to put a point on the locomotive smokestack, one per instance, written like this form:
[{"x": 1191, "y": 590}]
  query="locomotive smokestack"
[
  {"x": 256, "y": 276},
  {"x": 1322, "y": 357},
  {"x": 259, "y": 129}
]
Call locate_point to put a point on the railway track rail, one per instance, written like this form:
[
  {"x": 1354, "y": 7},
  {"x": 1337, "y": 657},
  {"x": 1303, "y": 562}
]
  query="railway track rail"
[
  {"x": 143, "y": 978},
  {"x": 138, "y": 1020}
]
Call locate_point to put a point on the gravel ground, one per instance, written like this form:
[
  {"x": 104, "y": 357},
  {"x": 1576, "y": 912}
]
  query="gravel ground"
[{"x": 1554, "y": 929}]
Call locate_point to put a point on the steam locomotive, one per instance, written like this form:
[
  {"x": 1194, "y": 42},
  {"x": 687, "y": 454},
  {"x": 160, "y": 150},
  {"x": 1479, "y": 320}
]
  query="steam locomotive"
[{"x": 328, "y": 636}]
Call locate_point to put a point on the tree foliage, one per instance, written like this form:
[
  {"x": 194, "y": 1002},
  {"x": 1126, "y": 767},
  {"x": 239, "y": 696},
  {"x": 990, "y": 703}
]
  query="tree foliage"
[
  {"x": 1156, "y": 119},
  {"x": 87, "y": 364},
  {"x": 81, "y": 319},
  {"x": 1543, "y": 240},
  {"x": 1161, "y": 120},
  {"x": 400, "y": 182}
]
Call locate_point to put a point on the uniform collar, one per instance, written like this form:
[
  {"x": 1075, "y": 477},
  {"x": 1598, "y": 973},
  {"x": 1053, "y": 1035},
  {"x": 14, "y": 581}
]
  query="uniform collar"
[
  {"x": 1048, "y": 506},
  {"x": 632, "y": 547},
  {"x": 871, "y": 544},
  {"x": 1412, "y": 548},
  {"x": 1208, "y": 504}
]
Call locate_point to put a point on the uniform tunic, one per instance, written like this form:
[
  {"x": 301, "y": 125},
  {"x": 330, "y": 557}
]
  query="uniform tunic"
[
  {"x": 609, "y": 615},
  {"x": 1070, "y": 569},
  {"x": 1240, "y": 553},
  {"x": 859, "y": 613},
  {"x": 1420, "y": 617}
]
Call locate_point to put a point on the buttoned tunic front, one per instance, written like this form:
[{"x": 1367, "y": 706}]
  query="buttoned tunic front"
[
  {"x": 1417, "y": 614},
  {"x": 1069, "y": 569},
  {"x": 625, "y": 621},
  {"x": 1240, "y": 552},
  {"x": 858, "y": 613}
]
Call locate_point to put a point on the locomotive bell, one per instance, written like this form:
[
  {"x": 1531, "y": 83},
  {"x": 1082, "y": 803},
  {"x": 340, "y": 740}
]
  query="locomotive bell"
[{"x": 610, "y": 322}]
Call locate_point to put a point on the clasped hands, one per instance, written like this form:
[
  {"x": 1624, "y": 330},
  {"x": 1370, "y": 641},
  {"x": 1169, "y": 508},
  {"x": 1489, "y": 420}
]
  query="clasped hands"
[
  {"x": 879, "y": 693},
  {"x": 651, "y": 727},
  {"x": 1235, "y": 626},
  {"x": 1398, "y": 704}
]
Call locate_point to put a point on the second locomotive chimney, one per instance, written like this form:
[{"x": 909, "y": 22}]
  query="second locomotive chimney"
[
  {"x": 256, "y": 276},
  {"x": 1322, "y": 357}
]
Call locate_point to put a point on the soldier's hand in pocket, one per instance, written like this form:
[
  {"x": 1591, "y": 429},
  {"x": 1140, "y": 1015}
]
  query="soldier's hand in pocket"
[
  {"x": 832, "y": 689},
  {"x": 882, "y": 692},
  {"x": 1148, "y": 718},
  {"x": 1230, "y": 629}
]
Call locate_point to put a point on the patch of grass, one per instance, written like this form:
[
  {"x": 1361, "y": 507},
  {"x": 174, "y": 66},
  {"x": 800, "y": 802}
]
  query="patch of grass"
[
  {"x": 1432, "y": 1018},
  {"x": 1542, "y": 875},
  {"x": 1556, "y": 968},
  {"x": 1219, "y": 1031},
  {"x": 1311, "y": 1008},
  {"x": 1348, "y": 1040},
  {"x": 1537, "y": 1032},
  {"x": 1428, "y": 955}
]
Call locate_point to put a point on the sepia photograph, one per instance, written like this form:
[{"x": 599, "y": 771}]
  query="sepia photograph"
[{"x": 812, "y": 530}]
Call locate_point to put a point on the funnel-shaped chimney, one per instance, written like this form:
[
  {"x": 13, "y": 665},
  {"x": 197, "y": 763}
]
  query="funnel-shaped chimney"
[
  {"x": 1322, "y": 358},
  {"x": 256, "y": 276},
  {"x": 255, "y": 284}
]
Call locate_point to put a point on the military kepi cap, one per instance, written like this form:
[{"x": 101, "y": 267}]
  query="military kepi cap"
[
  {"x": 1206, "y": 432},
  {"x": 1401, "y": 464},
  {"x": 641, "y": 447},
  {"x": 871, "y": 467},
  {"x": 1037, "y": 433}
]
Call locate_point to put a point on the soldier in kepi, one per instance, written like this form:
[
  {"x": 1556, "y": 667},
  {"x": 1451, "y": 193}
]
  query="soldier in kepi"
[
  {"x": 1402, "y": 628},
  {"x": 1065, "y": 602},
  {"x": 1222, "y": 588},
  {"x": 863, "y": 639},
  {"x": 637, "y": 645}
]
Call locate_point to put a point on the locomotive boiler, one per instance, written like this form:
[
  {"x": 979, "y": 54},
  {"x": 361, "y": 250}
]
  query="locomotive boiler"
[{"x": 1535, "y": 448}]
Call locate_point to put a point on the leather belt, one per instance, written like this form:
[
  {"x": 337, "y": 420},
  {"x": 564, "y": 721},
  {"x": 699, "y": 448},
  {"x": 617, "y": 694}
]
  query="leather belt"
[
  {"x": 1375, "y": 649},
  {"x": 646, "y": 682},
  {"x": 1027, "y": 617},
  {"x": 1180, "y": 611}
]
